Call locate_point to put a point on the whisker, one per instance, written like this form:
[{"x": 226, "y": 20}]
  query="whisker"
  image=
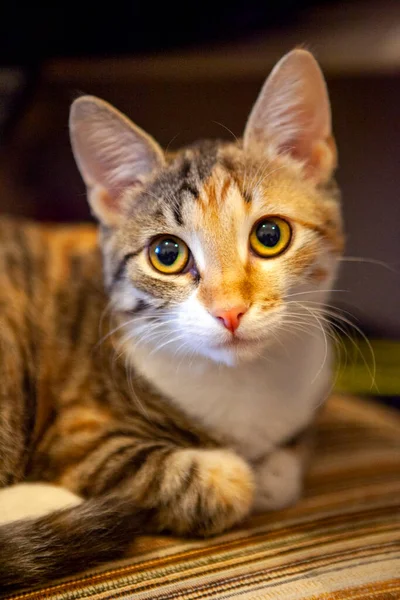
[
  {"x": 326, "y": 344},
  {"x": 128, "y": 368},
  {"x": 227, "y": 129},
  {"x": 323, "y": 305},
  {"x": 158, "y": 348},
  {"x": 263, "y": 165},
  {"x": 314, "y": 292},
  {"x": 371, "y": 261},
  {"x": 267, "y": 174},
  {"x": 171, "y": 141},
  {"x": 338, "y": 318}
]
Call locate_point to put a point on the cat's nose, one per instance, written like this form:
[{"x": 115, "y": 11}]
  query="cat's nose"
[{"x": 230, "y": 318}]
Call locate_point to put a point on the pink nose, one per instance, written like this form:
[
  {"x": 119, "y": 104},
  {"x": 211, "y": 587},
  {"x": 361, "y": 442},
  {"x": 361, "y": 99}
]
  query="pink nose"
[{"x": 230, "y": 318}]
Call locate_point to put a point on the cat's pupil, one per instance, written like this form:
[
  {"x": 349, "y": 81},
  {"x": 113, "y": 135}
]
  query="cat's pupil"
[
  {"x": 268, "y": 233},
  {"x": 167, "y": 252}
]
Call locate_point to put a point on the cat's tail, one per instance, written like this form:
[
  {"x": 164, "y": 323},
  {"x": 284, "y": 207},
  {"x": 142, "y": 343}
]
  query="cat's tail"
[{"x": 36, "y": 551}]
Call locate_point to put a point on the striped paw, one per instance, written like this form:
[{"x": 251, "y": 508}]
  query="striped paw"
[{"x": 208, "y": 491}]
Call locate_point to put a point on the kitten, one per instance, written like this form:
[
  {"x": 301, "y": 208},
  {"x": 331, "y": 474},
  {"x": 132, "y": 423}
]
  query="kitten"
[{"x": 193, "y": 408}]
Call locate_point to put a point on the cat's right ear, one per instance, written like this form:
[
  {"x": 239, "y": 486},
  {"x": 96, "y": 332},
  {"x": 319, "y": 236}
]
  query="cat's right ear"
[{"x": 112, "y": 155}]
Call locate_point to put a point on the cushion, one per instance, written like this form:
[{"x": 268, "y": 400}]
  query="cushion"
[{"x": 341, "y": 541}]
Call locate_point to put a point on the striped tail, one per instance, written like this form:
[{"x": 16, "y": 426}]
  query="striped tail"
[{"x": 36, "y": 551}]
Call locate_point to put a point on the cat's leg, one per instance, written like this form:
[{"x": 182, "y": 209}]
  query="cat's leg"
[
  {"x": 279, "y": 476},
  {"x": 26, "y": 500},
  {"x": 192, "y": 491},
  {"x": 16, "y": 418}
]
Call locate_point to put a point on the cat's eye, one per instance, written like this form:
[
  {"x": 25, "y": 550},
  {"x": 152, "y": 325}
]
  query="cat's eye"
[
  {"x": 168, "y": 254},
  {"x": 270, "y": 236}
]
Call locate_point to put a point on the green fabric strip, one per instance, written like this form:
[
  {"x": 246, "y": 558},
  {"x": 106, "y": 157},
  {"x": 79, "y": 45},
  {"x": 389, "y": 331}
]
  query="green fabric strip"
[{"x": 368, "y": 370}]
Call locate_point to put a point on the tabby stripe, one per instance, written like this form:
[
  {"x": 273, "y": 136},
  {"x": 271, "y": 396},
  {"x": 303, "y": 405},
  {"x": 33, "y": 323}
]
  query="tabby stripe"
[
  {"x": 96, "y": 486},
  {"x": 28, "y": 348},
  {"x": 30, "y": 270},
  {"x": 110, "y": 435},
  {"x": 177, "y": 212},
  {"x": 81, "y": 304},
  {"x": 120, "y": 271},
  {"x": 225, "y": 188},
  {"x": 132, "y": 465},
  {"x": 246, "y": 195},
  {"x": 153, "y": 485},
  {"x": 97, "y": 447},
  {"x": 203, "y": 520},
  {"x": 141, "y": 305},
  {"x": 189, "y": 188},
  {"x": 154, "y": 489},
  {"x": 25, "y": 263},
  {"x": 171, "y": 431},
  {"x": 185, "y": 188},
  {"x": 189, "y": 478},
  {"x": 128, "y": 466},
  {"x": 185, "y": 169},
  {"x": 29, "y": 392}
]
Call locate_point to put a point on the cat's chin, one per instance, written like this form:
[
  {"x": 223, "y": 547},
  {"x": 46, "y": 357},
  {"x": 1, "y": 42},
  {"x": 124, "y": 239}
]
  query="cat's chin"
[{"x": 232, "y": 355}]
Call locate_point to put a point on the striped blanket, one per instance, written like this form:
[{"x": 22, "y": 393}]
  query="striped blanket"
[{"x": 342, "y": 541}]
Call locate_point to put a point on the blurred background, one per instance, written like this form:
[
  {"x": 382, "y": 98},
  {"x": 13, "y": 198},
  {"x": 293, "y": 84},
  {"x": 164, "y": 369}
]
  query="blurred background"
[{"x": 187, "y": 71}]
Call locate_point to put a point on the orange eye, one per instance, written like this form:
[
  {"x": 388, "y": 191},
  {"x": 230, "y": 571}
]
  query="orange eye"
[
  {"x": 168, "y": 254},
  {"x": 270, "y": 237}
]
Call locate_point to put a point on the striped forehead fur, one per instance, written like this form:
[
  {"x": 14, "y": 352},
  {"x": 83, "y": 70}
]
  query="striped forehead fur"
[{"x": 205, "y": 177}]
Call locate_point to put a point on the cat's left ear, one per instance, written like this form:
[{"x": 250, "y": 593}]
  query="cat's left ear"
[
  {"x": 112, "y": 155},
  {"x": 292, "y": 115}
]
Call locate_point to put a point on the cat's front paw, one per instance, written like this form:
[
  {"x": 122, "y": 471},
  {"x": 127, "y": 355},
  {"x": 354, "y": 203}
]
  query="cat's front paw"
[
  {"x": 279, "y": 481},
  {"x": 217, "y": 492}
]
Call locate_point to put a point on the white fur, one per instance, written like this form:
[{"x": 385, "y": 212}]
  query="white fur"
[
  {"x": 254, "y": 405},
  {"x": 28, "y": 500},
  {"x": 279, "y": 481},
  {"x": 255, "y": 396}
]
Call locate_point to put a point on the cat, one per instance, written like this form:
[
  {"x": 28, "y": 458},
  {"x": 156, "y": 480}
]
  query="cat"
[{"x": 166, "y": 379}]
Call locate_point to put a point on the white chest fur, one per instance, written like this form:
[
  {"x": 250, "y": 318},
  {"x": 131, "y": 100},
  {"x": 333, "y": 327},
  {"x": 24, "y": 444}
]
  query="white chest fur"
[{"x": 253, "y": 406}]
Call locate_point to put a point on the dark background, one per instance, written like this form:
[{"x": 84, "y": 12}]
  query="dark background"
[{"x": 30, "y": 31}]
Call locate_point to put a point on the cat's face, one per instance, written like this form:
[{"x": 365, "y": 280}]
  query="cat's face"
[
  {"x": 213, "y": 250},
  {"x": 221, "y": 241}
]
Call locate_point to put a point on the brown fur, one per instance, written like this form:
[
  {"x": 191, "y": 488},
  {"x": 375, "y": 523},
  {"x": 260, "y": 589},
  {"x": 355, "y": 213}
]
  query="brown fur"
[
  {"x": 72, "y": 413},
  {"x": 67, "y": 414},
  {"x": 67, "y": 411}
]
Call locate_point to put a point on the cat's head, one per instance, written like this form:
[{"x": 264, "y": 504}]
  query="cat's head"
[{"x": 219, "y": 248}]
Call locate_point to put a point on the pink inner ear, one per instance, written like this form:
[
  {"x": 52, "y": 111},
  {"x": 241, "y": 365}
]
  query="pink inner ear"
[
  {"x": 110, "y": 201},
  {"x": 292, "y": 115},
  {"x": 298, "y": 148},
  {"x": 112, "y": 154}
]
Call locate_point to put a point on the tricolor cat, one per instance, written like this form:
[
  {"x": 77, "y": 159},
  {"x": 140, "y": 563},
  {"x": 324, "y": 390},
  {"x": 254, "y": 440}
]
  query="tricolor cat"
[{"x": 166, "y": 378}]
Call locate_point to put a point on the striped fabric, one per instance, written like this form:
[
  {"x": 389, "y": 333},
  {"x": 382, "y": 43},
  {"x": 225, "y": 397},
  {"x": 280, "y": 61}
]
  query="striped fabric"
[{"x": 342, "y": 541}]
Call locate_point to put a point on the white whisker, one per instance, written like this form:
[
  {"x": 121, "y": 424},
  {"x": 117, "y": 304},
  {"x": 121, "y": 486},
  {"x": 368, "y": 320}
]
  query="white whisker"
[
  {"x": 314, "y": 292},
  {"x": 371, "y": 261},
  {"x": 338, "y": 318},
  {"x": 158, "y": 348}
]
